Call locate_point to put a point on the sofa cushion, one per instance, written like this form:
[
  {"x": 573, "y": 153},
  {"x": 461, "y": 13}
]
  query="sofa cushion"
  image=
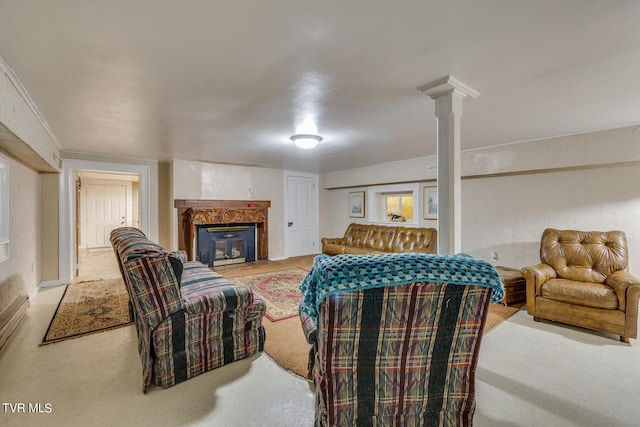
[
  {"x": 356, "y": 235},
  {"x": 581, "y": 293},
  {"x": 208, "y": 292},
  {"x": 414, "y": 240},
  {"x": 380, "y": 238},
  {"x": 361, "y": 251}
]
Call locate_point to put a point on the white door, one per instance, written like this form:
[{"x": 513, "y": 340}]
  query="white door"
[
  {"x": 301, "y": 226},
  {"x": 106, "y": 209}
]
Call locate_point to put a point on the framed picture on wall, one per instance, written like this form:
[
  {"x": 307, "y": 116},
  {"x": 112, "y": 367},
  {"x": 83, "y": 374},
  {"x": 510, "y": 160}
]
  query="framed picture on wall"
[
  {"x": 356, "y": 204},
  {"x": 430, "y": 208}
]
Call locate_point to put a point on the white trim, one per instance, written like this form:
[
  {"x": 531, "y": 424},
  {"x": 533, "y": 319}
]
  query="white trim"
[
  {"x": 49, "y": 284},
  {"x": 70, "y": 168},
  {"x": 316, "y": 220},
  {"x": 17, "y": 84},
  {"x": 375, "y": 214},
  {"x": 5, "y": 230}
]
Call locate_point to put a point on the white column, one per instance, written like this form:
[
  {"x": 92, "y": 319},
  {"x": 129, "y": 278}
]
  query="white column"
[{"x": 448, "y": 94}]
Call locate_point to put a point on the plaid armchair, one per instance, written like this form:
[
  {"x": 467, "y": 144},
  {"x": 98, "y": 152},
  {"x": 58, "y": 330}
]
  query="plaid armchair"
[
  {"x": 189, "y": 319},
  {"x": 394, "y": 353}
]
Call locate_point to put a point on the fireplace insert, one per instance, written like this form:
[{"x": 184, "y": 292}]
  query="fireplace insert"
[{"x": 223, "y": 245}]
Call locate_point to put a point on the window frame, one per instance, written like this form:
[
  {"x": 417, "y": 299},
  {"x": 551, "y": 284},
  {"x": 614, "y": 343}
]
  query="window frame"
[{"x": 376, "y": 207}]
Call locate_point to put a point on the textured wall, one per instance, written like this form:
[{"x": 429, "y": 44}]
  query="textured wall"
[
  {"x": 507, "y": 213},
  {"x": 199, "y": 180},
  {"x": 20, "y": 274}
]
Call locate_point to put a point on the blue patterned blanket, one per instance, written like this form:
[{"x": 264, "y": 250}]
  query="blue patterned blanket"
[{"x": 340, "y": 273}]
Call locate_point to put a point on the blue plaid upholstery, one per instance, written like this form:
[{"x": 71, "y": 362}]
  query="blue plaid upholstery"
[
  {"x": 189, "y": 319},
  {"x": 398, "y": 354}
]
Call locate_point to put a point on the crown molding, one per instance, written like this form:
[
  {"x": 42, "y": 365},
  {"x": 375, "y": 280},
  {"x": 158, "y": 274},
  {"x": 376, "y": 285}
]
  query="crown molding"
[{"x": 17, "y": 84}]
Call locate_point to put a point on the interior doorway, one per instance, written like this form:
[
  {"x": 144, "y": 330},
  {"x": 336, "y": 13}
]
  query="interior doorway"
[
  {"x": 71, "y": 199},
  {"x": 104, "y": 201}
]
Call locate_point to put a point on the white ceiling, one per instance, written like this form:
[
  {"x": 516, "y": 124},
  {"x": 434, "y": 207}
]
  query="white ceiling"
[{"x": 231, "y": 81}]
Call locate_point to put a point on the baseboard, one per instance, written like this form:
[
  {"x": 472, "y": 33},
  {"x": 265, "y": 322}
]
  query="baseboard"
[
  {"x": 11, "y": 317},
  {"x": 50, "y": 283}
]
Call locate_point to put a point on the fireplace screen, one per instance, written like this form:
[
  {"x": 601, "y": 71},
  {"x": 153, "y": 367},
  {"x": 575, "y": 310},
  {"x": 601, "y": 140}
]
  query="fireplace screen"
[
  {"x": 223, "y": 245},
  {"x": 230, "y": 248}
]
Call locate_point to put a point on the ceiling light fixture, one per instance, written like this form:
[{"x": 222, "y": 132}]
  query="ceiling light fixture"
[{"x": 306, "y": 141}]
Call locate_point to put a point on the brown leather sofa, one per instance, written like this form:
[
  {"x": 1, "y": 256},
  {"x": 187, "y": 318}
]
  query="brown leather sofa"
[
  {"x": 583, "y": 280},
  {"x": 372, "y": 239}
]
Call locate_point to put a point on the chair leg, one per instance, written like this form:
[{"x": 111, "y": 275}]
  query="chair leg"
[
  {"x": 624, "y": 339},
  {"x": 536, "y": 318}
]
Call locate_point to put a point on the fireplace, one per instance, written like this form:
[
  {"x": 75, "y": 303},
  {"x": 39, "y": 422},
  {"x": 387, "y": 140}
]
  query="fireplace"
[
  {"x": 226, "y": 244},
  {"x": 194, "y": 215}
]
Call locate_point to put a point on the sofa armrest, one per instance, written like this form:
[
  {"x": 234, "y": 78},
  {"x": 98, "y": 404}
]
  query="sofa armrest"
[
  {"x": 180, "y": 254},
  {"x": 308, "y": 327},
  {"x": 257, "y": 310},
  {"x": 214, "y": 299},
  {"x": 626, "y": 286},
  {"x": 333, "y": 241},
  {"x": 536, "y": 275},
  {"x": 156, "y": 292}
]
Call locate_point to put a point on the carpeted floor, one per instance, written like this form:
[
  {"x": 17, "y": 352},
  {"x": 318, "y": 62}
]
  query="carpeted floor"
[
  {"x": 95, "y": 306},
  {"x": 287, "y": 345},
  {"x": 285, "y": 341},
  {"x": 87, "y": 308}
]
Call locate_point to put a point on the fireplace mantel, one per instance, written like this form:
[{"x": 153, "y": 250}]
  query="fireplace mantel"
[{"x": 192, "y": 213}]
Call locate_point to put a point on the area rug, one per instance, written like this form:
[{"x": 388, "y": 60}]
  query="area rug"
[
  {"x": 87, "y": 308},
  {"x": 288, "y": 347},
  {"x": 279, "y": 289}
]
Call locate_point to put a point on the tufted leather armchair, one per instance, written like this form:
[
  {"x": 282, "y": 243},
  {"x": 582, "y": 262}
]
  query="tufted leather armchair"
[{"x": 583, "y": 280}]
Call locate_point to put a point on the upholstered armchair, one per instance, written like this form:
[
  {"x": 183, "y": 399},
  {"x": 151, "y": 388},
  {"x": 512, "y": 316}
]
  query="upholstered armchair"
[
  {"x": 395, "y": 337},
  {"x": 583, "y": 280}
]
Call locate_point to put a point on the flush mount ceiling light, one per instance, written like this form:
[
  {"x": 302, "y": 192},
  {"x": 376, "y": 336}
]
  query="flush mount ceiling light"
[{"x": 306, "y": 141}]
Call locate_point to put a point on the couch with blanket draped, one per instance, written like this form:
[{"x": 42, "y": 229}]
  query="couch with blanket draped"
[
  {"x": 189, "y": 319},
  {"x": 395, "y": 337}
]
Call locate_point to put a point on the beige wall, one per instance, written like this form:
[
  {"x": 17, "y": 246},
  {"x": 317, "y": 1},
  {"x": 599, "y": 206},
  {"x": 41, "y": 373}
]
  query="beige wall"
[
  {"x": 511, "y": 193},
  {"x": 165, "y": 205},
  {"x": 21, "y": 273},
  {"x": 199, "y": 180},
  {"x": 508, "y": 214},
  {"x": 50, "y": 227}
]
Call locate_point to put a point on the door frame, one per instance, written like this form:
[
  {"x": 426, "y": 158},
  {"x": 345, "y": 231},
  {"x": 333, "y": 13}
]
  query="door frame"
[
  {"x": 316, "y": 219},
  {"x": 67, "y": 259}
]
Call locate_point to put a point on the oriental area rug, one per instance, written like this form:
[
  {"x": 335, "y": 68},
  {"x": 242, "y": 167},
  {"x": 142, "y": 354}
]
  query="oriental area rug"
[
  {"x": 278, "y": 289},
  {"x": 87, "y": 308}
]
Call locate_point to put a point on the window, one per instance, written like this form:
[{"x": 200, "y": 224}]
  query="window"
[
  {"x": 4, "y": 208},
  {"x": 396, "y": 203},
  {"x": 398, "y": 207}
]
